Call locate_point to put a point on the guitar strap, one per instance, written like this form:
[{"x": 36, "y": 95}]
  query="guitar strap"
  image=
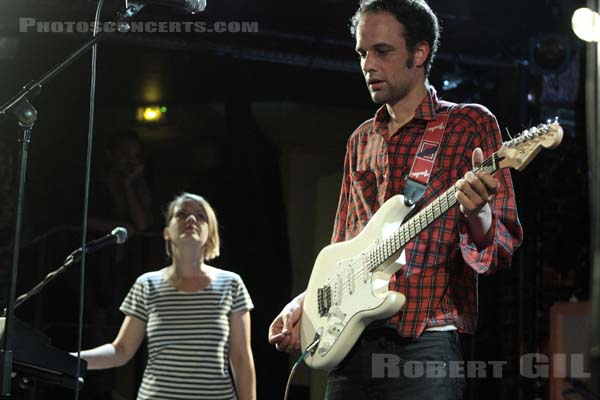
[{"x": 420, "y": 172}]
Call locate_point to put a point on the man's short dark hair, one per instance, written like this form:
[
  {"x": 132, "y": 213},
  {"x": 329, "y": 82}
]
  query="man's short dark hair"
[{"x": 420, "y": 23}]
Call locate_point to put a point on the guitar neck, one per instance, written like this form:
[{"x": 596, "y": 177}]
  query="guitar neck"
[{"x": 420, "y": 221}]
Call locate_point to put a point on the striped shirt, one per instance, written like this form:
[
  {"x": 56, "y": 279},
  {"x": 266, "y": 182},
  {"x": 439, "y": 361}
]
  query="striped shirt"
[
  {"x": 188, "y": 335},
  {"x": 440, "y": 278}
]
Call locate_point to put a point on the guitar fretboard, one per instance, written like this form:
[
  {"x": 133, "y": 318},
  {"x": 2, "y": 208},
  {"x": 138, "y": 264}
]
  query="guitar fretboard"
[{"x": 410, "y": 229}]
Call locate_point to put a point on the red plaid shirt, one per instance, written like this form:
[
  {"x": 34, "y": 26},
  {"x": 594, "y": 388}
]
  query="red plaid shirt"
[{"x": 440, "y": 278}]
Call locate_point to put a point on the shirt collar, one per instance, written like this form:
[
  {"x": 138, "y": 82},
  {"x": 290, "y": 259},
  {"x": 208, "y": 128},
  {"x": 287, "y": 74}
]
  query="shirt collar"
[{"x": 425, "y": 111}]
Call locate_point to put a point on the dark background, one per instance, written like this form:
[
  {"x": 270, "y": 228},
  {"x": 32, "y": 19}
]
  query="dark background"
[{"x": 257, "y": 123}]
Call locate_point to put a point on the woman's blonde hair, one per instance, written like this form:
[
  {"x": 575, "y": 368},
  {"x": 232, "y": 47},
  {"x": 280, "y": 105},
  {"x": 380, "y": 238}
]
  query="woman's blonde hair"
[{"x": 212, "y": 246}]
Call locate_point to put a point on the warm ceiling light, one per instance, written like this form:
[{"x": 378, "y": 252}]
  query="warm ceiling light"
[
  {"x": 151, "y": 114},
  {"x": 586, "y": 24}
]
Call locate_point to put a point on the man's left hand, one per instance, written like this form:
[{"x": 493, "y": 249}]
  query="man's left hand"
[{"x": 475, "y": 190}]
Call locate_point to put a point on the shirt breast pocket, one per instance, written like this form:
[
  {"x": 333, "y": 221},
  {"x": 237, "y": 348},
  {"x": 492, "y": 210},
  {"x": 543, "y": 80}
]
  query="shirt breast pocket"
[
  {"x": 363, "y": 195},
  {"x": 438, "y": 238}
]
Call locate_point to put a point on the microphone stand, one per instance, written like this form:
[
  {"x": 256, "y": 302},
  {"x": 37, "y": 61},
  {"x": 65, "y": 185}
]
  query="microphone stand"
[
  {"x": 70, "y": 260},
  {"x": 26, "y": 115}
]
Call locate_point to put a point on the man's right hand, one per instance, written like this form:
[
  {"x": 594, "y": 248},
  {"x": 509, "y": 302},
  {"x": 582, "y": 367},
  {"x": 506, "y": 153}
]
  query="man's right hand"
[{"x": 284, "y": 331}]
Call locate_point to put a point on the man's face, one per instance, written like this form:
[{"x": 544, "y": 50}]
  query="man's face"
[
  {"x": 127, "y": 156},
  {"x": 386, "y": 63}
]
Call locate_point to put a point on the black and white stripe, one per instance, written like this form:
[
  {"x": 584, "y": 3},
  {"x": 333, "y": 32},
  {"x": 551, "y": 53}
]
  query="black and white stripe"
[{"x": 188, "y": 335}]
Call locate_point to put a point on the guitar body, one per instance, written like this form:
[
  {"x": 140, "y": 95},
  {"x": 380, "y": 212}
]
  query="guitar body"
[{"x": 343, "y": 296}]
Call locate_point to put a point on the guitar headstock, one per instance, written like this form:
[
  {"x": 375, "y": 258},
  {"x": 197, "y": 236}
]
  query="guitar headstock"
[{"x": 518, "y": 152}]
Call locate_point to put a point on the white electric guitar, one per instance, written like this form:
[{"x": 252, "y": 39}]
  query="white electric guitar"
[{"x": 348, "y": 287}]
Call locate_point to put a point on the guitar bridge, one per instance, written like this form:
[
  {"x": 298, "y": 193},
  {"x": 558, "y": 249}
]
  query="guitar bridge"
[{"x": 324, "y": 300}]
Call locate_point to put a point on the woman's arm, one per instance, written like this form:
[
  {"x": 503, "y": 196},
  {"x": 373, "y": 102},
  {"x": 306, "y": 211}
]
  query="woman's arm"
[
  {"x": 121, "y": 350},
  {"x": 240, "y": 355}
]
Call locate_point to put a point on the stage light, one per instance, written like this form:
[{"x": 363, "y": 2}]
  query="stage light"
[
  {"x": 586, "y": 24},
  {"x": 151, "y": 114},
  {"x": 451, "y": 81}
]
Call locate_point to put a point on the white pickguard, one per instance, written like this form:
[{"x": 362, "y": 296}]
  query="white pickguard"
[{"x": 358, "y": 295}]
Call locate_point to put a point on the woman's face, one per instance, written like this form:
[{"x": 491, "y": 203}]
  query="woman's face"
[{"x": 188, "y": 226}]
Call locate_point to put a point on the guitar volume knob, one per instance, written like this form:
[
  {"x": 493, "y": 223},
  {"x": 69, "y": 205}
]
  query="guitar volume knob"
[{"x": 325, "y": 346}]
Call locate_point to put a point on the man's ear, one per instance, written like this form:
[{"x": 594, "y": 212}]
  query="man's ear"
[
  {"x": 166, "y": 235},
  {"x": 422, "y": 50}
]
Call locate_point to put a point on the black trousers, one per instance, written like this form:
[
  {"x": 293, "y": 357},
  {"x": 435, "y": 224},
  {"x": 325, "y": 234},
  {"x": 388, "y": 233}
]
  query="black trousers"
[{"x": 382, "y": 365}]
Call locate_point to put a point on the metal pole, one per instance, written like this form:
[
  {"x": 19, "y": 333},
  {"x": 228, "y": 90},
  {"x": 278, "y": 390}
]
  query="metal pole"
[{"x": 593, "y": 146}]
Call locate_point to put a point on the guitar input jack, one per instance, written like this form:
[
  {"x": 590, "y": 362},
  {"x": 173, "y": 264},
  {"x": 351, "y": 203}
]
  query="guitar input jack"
[{"x": 309, "y": 349}]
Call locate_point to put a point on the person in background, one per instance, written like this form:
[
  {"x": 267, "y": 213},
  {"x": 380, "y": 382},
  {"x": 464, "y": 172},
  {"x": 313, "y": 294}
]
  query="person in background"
[{"x": 122, "y": 197}]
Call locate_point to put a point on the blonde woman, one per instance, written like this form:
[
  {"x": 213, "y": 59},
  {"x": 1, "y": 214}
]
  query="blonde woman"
[{"x": 196, "y": 317}]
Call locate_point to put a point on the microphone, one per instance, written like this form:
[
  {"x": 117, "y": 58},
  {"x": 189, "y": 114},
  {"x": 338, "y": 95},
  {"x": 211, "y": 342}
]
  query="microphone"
[
  {"x": 191, "y": 6},
  {"x": 117, "y": 235}
]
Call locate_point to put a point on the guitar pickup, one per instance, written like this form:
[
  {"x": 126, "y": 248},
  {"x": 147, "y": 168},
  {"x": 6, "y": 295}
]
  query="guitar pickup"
[
  {"x": 324, "y": 300},
  {"x": 351, "y": 283}
]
